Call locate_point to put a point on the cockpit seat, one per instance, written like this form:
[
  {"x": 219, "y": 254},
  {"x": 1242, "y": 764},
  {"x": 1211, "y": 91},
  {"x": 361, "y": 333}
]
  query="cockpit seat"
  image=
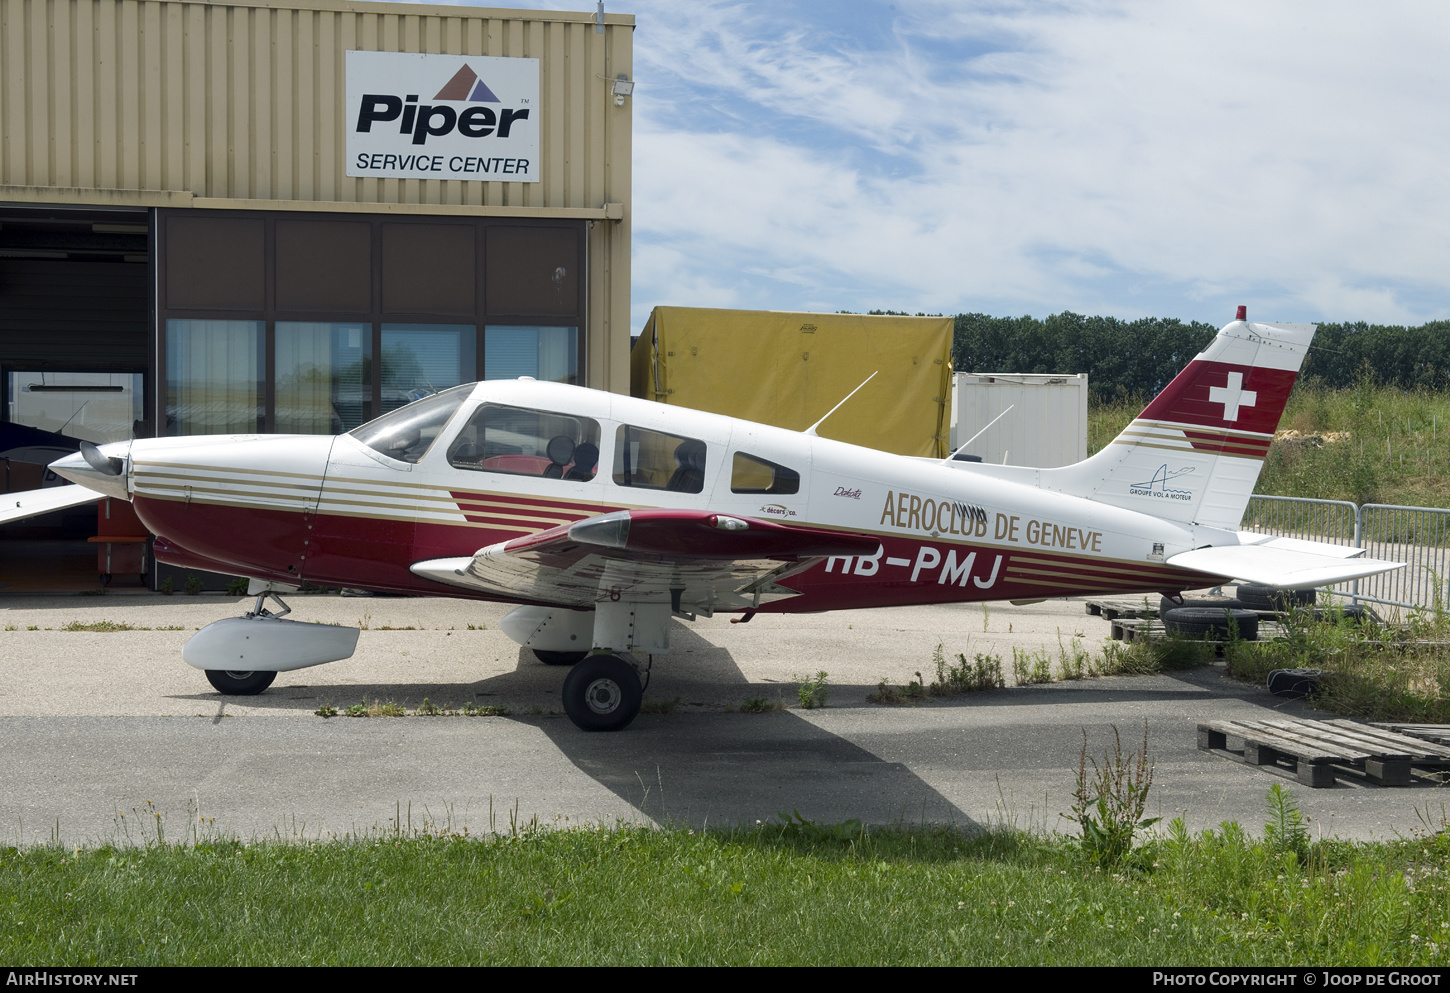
[
  {"x": 690, "y": 476},
  {"x": 586, "y": 458},
  {"x": 560, "y": 451}
]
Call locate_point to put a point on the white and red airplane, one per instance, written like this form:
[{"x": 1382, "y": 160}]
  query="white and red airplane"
[{"x": 606, "y": 517}]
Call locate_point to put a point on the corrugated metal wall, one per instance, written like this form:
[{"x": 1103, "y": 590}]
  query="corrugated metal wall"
[
  {"x": 246, "y": 100},
  {"x": 233, "y": 102}
]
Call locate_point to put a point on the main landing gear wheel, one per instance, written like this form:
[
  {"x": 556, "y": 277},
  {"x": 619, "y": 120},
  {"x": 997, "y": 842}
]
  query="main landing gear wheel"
[
  {"x": 239, "y": 683},
  {"x": 560, "y": 658},
  {"x": 602, "y": 693}
]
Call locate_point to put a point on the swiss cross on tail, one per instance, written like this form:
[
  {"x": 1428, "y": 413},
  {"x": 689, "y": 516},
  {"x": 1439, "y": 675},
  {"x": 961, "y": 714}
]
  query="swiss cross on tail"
[{"x": 1233, "y": 396}]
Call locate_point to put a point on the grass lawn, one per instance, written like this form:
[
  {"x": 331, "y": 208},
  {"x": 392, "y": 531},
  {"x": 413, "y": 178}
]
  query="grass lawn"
[{"x": 779, "y": 894}]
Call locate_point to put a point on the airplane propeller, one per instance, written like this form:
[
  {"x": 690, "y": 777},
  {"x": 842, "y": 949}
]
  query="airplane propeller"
[{"x": 108, "y": 466}]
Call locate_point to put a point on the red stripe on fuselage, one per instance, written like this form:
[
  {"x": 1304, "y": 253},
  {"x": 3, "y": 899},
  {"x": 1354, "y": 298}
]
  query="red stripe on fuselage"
[{"x": 468, "y": 500}]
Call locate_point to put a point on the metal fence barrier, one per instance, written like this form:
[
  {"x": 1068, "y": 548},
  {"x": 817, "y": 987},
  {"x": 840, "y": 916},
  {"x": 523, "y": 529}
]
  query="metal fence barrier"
[{"x": 1417, "y": 536}]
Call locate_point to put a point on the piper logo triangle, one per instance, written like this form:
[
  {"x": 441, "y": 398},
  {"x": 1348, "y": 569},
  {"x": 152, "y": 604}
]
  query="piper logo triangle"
[{"x": 465, "y": 85}]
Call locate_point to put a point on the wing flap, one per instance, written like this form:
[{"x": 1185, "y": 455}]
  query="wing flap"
[
  {"x": 691, "y": 559},
  {"x": 1289, "y": 567},
  {"x": 32, "y": 503}
]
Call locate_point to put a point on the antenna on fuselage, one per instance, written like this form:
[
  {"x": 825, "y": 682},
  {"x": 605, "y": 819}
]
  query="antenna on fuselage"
[
  {"x": 978, "y": 434},
  {"x": 812, "y": 429}
]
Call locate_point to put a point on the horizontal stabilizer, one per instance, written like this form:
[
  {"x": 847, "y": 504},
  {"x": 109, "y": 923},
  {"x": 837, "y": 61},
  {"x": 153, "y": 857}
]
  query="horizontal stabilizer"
[
  {"x": 1299, "y": 545},
  {"x": 1286, "y": 567},
  {"x": 33, "y": 503}
]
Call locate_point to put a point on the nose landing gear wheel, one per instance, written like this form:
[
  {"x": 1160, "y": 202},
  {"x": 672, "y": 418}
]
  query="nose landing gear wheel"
[
  {"x": 602, "y": 693},
  {"x": 239, "y": 683}
]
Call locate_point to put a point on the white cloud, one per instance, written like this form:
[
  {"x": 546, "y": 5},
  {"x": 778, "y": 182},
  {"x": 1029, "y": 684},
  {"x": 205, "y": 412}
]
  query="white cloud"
[{"x": 1108, "y": 156}]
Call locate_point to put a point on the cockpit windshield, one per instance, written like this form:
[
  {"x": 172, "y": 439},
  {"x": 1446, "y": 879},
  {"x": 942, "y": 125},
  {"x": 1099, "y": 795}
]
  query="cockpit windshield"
[{"x": 407, "y": 433}]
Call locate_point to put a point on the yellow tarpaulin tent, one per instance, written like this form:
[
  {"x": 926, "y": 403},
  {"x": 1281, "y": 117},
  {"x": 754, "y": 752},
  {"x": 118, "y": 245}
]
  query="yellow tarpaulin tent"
[{"x": 789, "y": 369}]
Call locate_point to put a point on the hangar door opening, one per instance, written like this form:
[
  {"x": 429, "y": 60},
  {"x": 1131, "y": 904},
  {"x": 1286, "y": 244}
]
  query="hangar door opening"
[{"x": 75, "y": 354}]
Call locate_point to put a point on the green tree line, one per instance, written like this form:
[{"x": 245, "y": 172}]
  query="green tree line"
[{"x": 1138, "y": 358}]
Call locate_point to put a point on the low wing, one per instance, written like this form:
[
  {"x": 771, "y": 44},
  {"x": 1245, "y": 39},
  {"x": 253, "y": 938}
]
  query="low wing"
[
  {"x": 692, "y": 559},
  {"x": 32, "y": 503},
  {"x": 1290, "y": 563}
]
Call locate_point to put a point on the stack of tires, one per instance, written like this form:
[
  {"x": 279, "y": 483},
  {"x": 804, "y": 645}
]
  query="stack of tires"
[
  {"x": 1272, "y": 598},
  {"x": 1217, "y": 618}
]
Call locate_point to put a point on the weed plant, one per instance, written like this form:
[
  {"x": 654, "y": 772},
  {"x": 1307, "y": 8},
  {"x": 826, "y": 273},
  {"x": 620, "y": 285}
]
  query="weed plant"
[
  {"x": 1370, "y": 671},
  {"x": 984, "y": 672},
  {"x": 1072, "y": 661},
  {"x": 761, "y": 705},
  {"x": 1109, "y": 800},
  {"x": 812, "y": 691},
  {"x": 1285, "y": 830},
  {"x": 1030, "y": 668}
]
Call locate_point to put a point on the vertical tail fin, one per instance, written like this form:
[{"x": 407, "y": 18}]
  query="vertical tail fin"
[{"x": 1193, "y": 455}]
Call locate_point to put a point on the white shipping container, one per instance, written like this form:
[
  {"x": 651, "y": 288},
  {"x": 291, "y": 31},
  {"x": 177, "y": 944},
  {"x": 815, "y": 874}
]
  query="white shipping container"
[{"x": 1046, "y": 427}]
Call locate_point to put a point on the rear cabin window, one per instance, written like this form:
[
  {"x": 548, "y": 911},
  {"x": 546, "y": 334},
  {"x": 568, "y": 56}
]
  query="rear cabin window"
[
  {"x": 657, "y": 461},
  {"x": 521, "y": 442},
  {"x": 752, "y": 474}
]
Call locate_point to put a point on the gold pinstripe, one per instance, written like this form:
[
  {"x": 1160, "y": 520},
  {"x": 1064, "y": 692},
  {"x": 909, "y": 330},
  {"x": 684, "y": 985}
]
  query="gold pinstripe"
[{"x": 230, "y": 486}]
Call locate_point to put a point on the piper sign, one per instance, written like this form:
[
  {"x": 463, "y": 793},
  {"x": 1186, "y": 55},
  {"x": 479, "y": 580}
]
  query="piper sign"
[{"x": 413, "y": 116}]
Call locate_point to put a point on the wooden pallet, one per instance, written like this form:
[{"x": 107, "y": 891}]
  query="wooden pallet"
[
  {"x": 1438, "y": 733},
  {"x": 1136, "y": 629},
  {"x": 1151, "y": 629},
  {"x": 1319, "y": 751},
  {"x": 1130, "y": 607}
]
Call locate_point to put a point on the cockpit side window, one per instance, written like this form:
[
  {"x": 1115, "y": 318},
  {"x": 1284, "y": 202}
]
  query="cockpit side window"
[
  {"x": 519, "y": 441},
  {"x": 753, "y": 474},
  {"x": 657, "y": 461},
  {"x": 407, "y": 433}
]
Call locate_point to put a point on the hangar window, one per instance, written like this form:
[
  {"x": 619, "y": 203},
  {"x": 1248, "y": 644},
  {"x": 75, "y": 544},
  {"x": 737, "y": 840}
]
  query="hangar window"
[
  {"x": 752, "y": 474},
  {"x": 214, "y": 377},
  {"x": 550, "y": 354},
  {"x": 657, "y": 461},
  {"x": 523, "y": 442},
  {"x": 321, "y": 376},
  {"x": 420, "y": 359}
]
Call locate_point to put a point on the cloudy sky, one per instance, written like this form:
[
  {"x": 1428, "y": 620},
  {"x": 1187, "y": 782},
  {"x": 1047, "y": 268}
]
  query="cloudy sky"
[{"x": 1103, "y": 156}]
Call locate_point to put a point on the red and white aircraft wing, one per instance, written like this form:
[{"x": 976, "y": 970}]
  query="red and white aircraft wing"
[{"x": 706, "y": 561}]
